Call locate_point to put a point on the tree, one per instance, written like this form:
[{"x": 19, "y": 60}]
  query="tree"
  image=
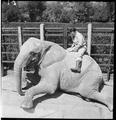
[
  {"x": 10, "y": 13},
  {"x": 53, "y": 13},
  {"x": 100, "y": 12},
  {"x": 58, "y": 11},
  {"x": 4, "y": 11},
  {"x": 13, "y": 14},
  {"x": 35, "y": 9},
  {"x": 65, "y": 17},
  {"x": 111, "y": 10},
  {"x": 63, "y": 12}
]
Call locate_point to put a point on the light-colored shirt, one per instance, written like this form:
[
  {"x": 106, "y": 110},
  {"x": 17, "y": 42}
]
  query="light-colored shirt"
[{"x": 78, "y": 40}]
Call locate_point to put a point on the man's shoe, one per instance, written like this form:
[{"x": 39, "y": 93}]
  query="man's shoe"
[{"x": 78, "y": 66}]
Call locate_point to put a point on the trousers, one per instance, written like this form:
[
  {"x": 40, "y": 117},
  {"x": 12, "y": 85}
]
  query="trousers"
[{"x": 80, "y": 53}]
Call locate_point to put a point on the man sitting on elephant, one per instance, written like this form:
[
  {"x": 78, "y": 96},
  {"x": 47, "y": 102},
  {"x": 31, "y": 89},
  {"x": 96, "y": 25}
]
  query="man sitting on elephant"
[{"x": 79, "y": 45}]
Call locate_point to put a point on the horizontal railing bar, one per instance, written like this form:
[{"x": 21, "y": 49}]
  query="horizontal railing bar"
[
  {"x": 7, "y": 31},
  {"x": 102, "y": 31},
  {"x": 30, "y": 28},
  {"x": 98, "y": 44},
  {"x": 8, "y": 43},
  {"x": 101, "y": 54},
  {"x": 6, "y": 28},
  {"x": 54, "y": 35},
  {"x": 96, "y": 28},
  {"x": 103, "y": 28},
  {"x": 31, "y": 34},
  {"x": 10, "y": 52},
  {"x": 8, "y": 61},
  {"x": 53, "y": 28},
  {"x": 103, "y": 44},
  {"x": 84, "y": 28},
  {"x": 9, "y": 34}
]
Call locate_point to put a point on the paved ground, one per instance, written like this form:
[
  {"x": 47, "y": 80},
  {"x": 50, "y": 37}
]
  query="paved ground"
[{"x": 59, "y": 105}]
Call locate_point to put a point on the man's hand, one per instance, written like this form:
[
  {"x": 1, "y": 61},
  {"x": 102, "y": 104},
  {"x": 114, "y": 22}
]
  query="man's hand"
[
  {"x": 76, "y": 48},
  {"x": 70, "y": 49}
]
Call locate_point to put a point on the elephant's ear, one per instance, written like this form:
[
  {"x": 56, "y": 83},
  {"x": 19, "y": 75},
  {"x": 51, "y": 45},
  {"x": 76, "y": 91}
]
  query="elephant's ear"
[
  {"x": 33, "y": 59},
  {"x": 43, "y": 53},
  {"x": 52, "y": 55},
  {"x": 30, "y": 57}
]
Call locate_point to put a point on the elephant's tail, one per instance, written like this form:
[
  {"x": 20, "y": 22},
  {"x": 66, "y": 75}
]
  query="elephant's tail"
[
  {"x": 102, "y": 83},
  {"x": 108, "y": 83},
  {"x": 105, "y": 82}
]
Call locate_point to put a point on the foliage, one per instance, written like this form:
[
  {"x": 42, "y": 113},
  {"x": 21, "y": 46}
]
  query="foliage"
[
  {"x": 71, "y": 12},
  {"x": 35, "y": 9},
  {"x": 59, "y": 11},
  {"x": 52, "y": 13},
  {"x": 10, "y": 13},
  {"x": 64, "y": 12},
  {"x": 101, "y": 13}
]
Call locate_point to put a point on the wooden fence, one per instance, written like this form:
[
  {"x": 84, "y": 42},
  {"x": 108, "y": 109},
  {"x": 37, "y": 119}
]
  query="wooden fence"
[{"x": 96, "y": 35}]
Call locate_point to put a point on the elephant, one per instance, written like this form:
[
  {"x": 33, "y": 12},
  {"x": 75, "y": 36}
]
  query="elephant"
[{"x": 54, "y": 63}]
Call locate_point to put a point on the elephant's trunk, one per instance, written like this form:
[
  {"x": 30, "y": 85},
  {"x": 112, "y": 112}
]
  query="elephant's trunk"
[
  {"x": 18, "y": 65},
  {"x": 31, "y": 45},
  {"x": 18, "y": 76}
]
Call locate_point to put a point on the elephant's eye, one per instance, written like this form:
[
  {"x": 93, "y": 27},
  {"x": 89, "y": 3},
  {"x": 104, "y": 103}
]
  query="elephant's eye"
[
  {"x": 34, "y": 58},
  {"x": 32, "y": 54}
]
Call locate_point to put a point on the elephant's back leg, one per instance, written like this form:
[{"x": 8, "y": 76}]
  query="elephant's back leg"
[
  {"x": 90, "y": 82},
  {"x": 90, "y": 88}
]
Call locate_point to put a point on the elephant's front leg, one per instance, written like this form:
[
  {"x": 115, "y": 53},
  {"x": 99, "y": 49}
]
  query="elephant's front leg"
[{"x": 41, "y": 88}]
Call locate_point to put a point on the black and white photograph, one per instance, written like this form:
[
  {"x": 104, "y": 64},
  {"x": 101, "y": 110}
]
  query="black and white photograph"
[{"x": 57, "y": 59}]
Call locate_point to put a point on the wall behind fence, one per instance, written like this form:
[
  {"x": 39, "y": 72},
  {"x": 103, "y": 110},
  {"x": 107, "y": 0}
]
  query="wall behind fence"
[{"x": 102, "y": 39}]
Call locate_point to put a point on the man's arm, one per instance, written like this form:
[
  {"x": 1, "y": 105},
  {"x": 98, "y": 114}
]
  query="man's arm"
[
  {"x": 75, "y": 49},
  {"x": 71, "y": 48},
  {"x": 73, "y": 45}
]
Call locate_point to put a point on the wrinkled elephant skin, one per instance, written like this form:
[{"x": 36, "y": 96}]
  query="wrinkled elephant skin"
[{"x": 55, "y": 71}]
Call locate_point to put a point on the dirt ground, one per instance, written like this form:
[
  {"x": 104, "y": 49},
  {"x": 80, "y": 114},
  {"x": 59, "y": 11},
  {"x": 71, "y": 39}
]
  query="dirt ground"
[{"x": 58, "y": 105}]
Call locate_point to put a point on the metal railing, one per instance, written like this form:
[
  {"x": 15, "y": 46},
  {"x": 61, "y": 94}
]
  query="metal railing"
[{"x": 14, "y": 37}]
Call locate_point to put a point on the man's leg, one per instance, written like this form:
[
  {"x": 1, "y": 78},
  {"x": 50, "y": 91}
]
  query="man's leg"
[{"x": 81, "y": 51}]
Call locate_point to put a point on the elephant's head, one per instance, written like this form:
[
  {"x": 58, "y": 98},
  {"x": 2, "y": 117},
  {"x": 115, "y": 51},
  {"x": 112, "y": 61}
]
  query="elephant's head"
[{"x": 29, "y": 53}]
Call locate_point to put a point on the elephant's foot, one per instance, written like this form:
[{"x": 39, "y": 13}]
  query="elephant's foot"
[
  {"x": 77, "y": 67},
  {"x": 75, "y": 70},
  {"x": 27, "y": 104}
]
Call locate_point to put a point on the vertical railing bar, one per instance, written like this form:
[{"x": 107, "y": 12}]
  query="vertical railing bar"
[
  {"x": 108, "y": 73},
  {"x": 89, "y": 35},
  {"x": 42, "y": 32}
]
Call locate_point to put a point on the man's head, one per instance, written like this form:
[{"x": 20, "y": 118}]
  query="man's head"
[{"x": 73, "y": 33}]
